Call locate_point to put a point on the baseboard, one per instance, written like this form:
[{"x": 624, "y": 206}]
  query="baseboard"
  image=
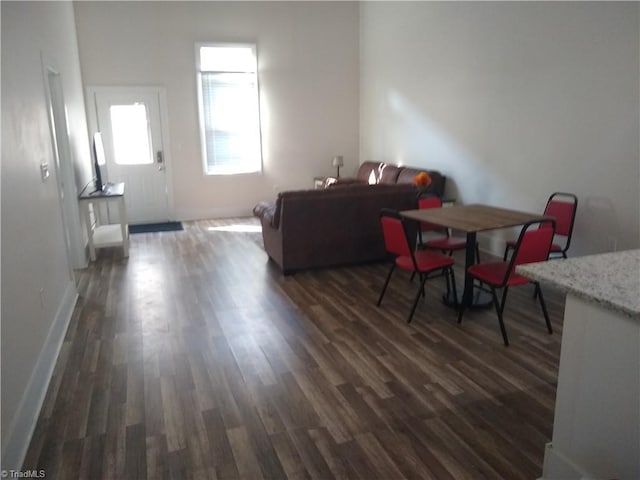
[
  {"x": 558, "y": 466},
  {"x": 24, "y": 421},
  {"x": 209, "y": 213},
  {"x": 491, "y": 244}
]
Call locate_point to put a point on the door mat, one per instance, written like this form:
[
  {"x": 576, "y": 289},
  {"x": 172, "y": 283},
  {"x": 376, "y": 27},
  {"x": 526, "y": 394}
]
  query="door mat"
[{"x": 156, "y": 227}]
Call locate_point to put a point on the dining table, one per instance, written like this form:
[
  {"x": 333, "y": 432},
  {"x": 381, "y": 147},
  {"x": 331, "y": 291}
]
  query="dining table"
[{"x": 471, "y": 219}]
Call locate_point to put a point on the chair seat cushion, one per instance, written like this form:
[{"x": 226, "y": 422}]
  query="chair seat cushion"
[
  {"x": 426, "y": 260},
  {"x": 493, "y": 274},
  {"x": 447, "y": 243}
]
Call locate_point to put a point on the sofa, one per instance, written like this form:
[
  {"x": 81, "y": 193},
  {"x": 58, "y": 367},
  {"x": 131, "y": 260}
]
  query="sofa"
[
  {"x": 339, "y": 224},
  {"x": 335, "y": 226}
]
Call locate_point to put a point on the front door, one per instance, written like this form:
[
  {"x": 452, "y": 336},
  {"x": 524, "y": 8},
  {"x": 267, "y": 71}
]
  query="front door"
[{"x": 130, "y": 122}]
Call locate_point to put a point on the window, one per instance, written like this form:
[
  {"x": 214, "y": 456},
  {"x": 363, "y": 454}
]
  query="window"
[
  {"x": 229, "y": 108},
  {"x": 131, "y": 134}
]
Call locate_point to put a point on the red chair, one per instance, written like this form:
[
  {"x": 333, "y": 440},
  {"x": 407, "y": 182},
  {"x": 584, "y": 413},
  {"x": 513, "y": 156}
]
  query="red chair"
[
  {"x": 396, "y": 233},
  {"x": 562, "y": 207},
  {"x": 446, "y": 244},
  {"x": 533, "y": 245}
]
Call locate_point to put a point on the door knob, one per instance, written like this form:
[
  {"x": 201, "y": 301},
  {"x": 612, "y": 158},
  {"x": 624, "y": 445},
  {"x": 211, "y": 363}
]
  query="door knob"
[{"x": 160, "y": 160}]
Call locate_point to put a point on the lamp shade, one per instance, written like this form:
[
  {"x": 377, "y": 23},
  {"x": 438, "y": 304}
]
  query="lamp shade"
[{"x": 338, "y": 161}]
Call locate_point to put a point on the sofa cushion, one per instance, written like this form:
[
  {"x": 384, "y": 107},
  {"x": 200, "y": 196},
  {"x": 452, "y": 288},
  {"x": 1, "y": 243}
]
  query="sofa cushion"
[
  {"x": 389, "y": 174},
  {"x": 378, "y": 172},
  {"x": 369, "y": 172}
]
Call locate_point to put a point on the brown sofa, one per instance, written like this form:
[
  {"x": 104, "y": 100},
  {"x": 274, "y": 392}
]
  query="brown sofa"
[
  {"x": 328, "y": 227},
  {"x": 386, "y": 173}
]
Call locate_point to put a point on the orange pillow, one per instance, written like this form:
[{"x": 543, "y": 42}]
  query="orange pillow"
[{"x": 422, "y": 179}]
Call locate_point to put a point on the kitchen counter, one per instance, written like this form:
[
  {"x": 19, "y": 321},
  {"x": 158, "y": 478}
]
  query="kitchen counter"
[
  {"x": 611, "y": 280},
  {"x": 596, "y": 431}
]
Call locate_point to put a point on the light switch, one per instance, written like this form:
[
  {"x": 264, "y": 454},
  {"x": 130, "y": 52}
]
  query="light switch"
[{"x": 44, "y": 171}]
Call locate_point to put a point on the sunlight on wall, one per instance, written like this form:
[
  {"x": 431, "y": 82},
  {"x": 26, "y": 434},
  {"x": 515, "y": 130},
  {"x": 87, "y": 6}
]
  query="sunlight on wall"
[
  {"x": 414, "y": 132},
  {"x": 418, "y": 140}
]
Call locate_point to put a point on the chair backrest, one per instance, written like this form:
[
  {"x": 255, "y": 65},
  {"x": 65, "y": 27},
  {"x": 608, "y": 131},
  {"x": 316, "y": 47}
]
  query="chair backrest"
[
  {"x": 562, "y": 207},
  {"x": 429, "y": 202},
  {"x": 395, "y": 236},
  {"x": 533, "y": 245}
]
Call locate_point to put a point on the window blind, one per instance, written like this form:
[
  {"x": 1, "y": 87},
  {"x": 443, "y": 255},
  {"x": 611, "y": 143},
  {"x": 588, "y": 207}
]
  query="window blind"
[{"x": 230, "y": 118}]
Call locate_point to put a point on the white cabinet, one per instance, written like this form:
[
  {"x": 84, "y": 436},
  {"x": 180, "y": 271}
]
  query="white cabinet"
[{"x": 596, "y": 429}]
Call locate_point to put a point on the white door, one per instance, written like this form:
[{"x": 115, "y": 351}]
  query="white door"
[
  {"x": 64, "y": 169},
  {"x": 131, "y": 126}
]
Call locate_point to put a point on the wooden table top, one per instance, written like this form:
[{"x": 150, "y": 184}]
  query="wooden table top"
[
  {"x": 472, "y": 218},
  {"x": 110, "y": 190}
]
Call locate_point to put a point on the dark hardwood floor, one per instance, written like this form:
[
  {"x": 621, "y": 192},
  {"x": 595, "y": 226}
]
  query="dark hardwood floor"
[{"x": 196, "y": 358}]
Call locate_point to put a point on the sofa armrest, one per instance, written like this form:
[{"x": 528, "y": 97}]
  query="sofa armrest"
[{"x": 266, "y": 212}]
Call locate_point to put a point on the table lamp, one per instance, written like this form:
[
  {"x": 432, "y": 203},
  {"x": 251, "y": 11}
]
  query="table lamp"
[{"x": 338, "y": 162}]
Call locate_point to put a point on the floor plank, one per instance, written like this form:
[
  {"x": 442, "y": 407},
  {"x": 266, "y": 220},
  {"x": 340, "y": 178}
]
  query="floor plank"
[{"x": 195, "y": 358}]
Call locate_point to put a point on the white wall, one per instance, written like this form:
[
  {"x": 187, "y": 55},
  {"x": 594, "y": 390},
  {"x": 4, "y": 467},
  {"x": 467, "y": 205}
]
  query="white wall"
[
  {"x": 512, "y": 101},
  {"x": 308, "y": 74},
  {"x": 38, "y": 291}
]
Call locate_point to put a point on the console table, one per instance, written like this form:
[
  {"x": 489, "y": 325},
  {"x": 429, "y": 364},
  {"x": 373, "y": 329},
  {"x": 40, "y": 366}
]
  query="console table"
[{"x": 101, "y": 235}]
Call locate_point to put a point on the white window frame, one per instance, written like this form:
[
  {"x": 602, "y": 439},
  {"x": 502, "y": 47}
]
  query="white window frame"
[{"x": 253, "y": 166}]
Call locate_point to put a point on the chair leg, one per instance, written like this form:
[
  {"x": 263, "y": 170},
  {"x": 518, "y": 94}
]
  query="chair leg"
[
  {"x": 453, "y": 284},
  {"x": 384, "y": 288},
  {"x": 448, "y": 283},
  {"x": 504, "y": 299},
  {"x": 544, "y": 308},
  {"x": 423, "y": 278},
  {"x": 463, "y": 307},
  {"x": 506, "y": 253},
  {"x": 499, "y": 310}
]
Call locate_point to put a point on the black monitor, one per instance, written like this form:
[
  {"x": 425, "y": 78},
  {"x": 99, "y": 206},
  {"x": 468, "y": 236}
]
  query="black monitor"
[{"x": 98, "y": 159}]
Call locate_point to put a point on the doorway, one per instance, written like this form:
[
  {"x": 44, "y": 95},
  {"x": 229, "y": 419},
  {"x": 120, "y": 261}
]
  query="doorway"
[
  {"x": 133, "y": 129},
  {"x": 65, "y": 175}
]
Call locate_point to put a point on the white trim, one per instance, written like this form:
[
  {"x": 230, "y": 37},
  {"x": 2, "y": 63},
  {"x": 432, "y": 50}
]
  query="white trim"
[
  {"x": 166, "y": 149},
  {"x": 26, "y": 417},
  {"x": 209, "y": 213},
  {"x": 561, "y": 466}
]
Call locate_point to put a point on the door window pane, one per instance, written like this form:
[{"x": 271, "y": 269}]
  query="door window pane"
[{"x": 131, "y": 135}]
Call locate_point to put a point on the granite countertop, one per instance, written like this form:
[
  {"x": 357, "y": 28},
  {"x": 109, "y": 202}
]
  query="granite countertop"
[{"x": 611, "y": 280}]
